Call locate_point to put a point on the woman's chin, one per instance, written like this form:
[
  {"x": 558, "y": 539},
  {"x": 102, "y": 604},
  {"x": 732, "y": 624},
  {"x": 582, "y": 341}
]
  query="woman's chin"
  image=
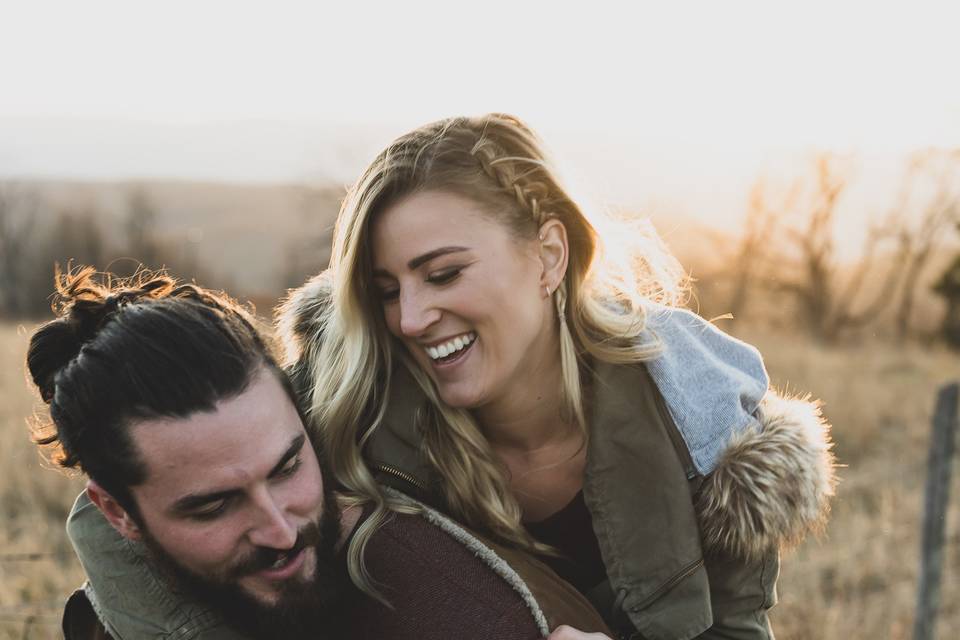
[{"x": 459, "y": 396}]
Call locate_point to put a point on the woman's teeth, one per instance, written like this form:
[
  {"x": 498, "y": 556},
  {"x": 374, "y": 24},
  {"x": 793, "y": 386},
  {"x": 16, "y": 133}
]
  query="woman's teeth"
[{"x": 451, "y": 346}]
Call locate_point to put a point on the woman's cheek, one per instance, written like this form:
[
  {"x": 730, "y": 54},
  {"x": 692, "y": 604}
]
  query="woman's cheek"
[{"x": 390, "y": 319}]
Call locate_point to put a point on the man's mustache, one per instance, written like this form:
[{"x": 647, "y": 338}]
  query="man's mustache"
[{"x": 265, "y": 557}]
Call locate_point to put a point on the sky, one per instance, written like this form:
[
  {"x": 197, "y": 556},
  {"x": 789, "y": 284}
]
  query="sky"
[{"x": 648, "y": 100}]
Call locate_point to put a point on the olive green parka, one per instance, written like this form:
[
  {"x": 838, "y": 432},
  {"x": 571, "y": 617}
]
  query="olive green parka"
[{"x": 687, "y": 554}]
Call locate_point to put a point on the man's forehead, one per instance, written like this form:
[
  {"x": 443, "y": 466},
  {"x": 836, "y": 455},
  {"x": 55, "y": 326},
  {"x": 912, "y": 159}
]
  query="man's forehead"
[{"x": 243, "y": 435}]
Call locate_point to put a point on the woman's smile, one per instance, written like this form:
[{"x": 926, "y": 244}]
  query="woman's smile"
[{"x": 449, "y": 351}]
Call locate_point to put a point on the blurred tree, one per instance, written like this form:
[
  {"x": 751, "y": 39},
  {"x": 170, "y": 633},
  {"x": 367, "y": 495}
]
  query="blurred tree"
[
  {"x": 72, "y": 237},
  {"x": 751, "y": 258},
  {"x": 308, "y": 252},
  {"x": 834, "y": 298},
  {"x": 17, "y": 229},
  {"x": 76, "y": 236},
  {"x": 830, "y": 304},
  {"x": 151, "y": 244},
  {"x": 141, "y": 228},
  {"x": 948, "y": 286},
  {"x": 933, "y": 179}
]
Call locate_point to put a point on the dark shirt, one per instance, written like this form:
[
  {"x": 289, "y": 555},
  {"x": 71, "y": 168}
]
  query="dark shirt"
[{"x": 570, "y": 531}]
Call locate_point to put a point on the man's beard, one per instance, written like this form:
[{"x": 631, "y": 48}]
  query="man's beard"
[{"x": 303, "y": 608}]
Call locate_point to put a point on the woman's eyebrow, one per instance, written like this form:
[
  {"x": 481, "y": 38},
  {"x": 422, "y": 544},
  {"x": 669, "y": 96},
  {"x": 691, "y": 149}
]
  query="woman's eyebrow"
[
  {"x": 430, "y": 255},
  {"x": 422, "y": 259}
]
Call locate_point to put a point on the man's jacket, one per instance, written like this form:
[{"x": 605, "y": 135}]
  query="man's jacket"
[{"x": 440, "y": 580}]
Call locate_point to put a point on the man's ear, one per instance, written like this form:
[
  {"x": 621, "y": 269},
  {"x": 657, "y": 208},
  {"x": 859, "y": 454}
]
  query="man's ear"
[
  {"x": 554, "y": 253},
  {"x": 115, "y": 514}
]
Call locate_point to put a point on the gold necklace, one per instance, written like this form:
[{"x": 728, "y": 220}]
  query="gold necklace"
[{"x": 552, "y": 465}]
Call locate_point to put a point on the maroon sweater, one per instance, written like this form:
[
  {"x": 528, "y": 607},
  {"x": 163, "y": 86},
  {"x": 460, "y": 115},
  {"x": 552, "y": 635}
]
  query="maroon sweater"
[
  {"x": 437, "y": 588},
  {"x": 440, "y": 590}
]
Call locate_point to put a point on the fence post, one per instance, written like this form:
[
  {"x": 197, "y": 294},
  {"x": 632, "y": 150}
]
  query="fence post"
[
  {"x": 935, "y": 510},
  {"x": 27, "y": 624}
]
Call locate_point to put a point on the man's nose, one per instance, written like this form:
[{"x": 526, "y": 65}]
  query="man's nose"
[
  {"x": 417, "y": 313},
  {"x": 271, "y": 528}
]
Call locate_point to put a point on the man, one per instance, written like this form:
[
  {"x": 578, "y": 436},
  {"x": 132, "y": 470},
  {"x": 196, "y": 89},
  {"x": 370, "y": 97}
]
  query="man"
[{"x": 169, "y": 400}]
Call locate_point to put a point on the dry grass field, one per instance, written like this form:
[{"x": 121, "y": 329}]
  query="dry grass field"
[
  {"x": 34, "y": 502},
  {"x": 858, "y": 581}
]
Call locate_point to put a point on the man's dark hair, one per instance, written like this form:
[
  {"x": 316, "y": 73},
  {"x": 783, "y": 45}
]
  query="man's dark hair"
[{"x": 127, "y": 350}]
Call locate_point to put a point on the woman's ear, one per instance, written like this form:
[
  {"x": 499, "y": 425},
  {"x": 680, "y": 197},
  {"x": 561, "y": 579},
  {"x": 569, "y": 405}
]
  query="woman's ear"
[
  {"x": 116, "y": 515},
  {"x": 554, "y": 253}
]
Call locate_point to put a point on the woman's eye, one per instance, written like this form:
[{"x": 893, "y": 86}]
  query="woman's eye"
[
  {"x": 444, "y": 276},
  {"x": 389, "y": 295}
]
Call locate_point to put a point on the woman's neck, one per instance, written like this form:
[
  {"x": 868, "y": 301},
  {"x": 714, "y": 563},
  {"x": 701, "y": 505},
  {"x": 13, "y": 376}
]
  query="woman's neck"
[{"x": 529, "y": 416}]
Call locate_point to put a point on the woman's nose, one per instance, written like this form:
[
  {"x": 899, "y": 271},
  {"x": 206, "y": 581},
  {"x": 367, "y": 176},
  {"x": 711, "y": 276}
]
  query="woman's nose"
[{"x": 417, "y": 314}]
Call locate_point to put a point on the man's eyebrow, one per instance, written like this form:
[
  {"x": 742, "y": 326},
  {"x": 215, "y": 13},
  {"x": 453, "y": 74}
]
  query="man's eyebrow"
[
  {"x": 295, "y": 446},
  {"x": 420, "y": 260},
  {"x": 188, "y": 503},
  {"x": 193, "y": 501}
]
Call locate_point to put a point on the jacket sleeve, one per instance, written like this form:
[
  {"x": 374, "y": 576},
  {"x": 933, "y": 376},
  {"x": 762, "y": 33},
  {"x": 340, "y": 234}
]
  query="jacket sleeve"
[
  {"x": 765, "y": 464},
  {"x": 131, "y": 600},
  {"x": 741, "y": 594},
  {"x": 771, "y": 488}
]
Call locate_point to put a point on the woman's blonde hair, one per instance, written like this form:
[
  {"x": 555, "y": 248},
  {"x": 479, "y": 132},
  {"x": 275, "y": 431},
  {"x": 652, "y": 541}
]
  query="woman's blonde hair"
[{"x": 497, "y": 162}]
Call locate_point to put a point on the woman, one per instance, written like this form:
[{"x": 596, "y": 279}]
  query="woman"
[{"x": 473, "y": 344}]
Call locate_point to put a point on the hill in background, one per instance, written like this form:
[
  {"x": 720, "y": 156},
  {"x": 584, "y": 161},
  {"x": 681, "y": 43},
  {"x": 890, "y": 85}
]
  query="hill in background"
[
  {"x": 254, "y": 240},
  {"x": 257, "y": 240}
]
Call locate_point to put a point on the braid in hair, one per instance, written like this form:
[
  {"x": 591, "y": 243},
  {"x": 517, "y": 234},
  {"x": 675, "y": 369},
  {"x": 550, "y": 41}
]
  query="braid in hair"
[
  {"x": 502, "y": 169},
  {"x": 527, "y": 179}
]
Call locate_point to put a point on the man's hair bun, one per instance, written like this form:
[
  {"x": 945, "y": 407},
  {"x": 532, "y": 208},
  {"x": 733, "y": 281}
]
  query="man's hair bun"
[{"x": 84, "y": 306}]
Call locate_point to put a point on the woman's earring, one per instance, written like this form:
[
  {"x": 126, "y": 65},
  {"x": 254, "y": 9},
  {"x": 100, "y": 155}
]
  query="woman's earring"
[{"x": 546, "y": 289}]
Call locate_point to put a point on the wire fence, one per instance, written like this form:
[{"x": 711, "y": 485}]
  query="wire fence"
[
  {"x": 31, "y": 625},
  {"x": 34, "y": 557},
  {"x": 35, "y": 619}
]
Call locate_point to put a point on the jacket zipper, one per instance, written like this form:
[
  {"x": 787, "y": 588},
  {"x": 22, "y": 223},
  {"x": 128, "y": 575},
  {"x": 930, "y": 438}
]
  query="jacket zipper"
[
  {"x": 686, "y": 572},
  {"x": 402, "y": 475},
  {"x": 678, "y": 443}
]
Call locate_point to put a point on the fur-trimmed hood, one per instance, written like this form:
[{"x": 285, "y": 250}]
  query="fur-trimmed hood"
[
  {"x": 774, "y": 481},
  {"x": 300, "y": 319}
]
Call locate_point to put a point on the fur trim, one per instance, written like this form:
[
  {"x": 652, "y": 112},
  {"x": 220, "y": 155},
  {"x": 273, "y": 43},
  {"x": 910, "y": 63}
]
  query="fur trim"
[
  {"x": 300, "y": 317},
  {"x": 773, "y": 483}
]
